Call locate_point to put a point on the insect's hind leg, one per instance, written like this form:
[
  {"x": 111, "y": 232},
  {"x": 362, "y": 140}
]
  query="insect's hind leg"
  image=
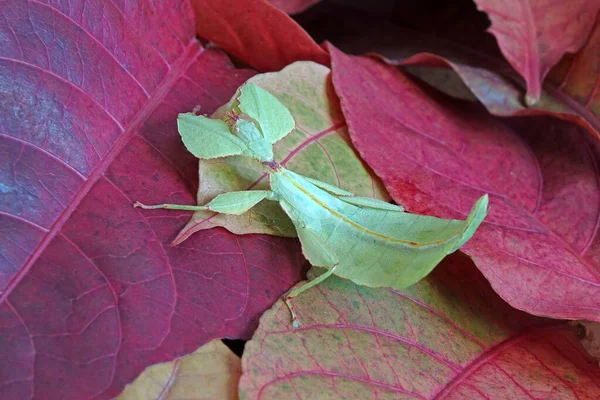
[
  {"x": 296, "y": 291},
  {"x": 317, "y": 252}
]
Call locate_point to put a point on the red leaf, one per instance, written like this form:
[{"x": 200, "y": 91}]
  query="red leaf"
[
  {"x": 534, "y": 34},
  {"x": 503, "y": 97},
  {"x": 570, "y": 92},
  {"x": 92, "y": 292},
  {"x": 447, "y": 337},
  {"x": 293, "y": 6},
  {"x": 256, "y": 32},
  {"x": 577, "y": 79},
  {"x": 539, "y": 246}
]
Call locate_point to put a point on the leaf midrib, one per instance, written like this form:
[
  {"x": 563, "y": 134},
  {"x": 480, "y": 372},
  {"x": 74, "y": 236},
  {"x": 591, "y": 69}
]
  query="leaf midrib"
[
  {"x": 508, "y": 200},
  {"x": 492, "y": 353},
  {"x": 176, "y": 70}
]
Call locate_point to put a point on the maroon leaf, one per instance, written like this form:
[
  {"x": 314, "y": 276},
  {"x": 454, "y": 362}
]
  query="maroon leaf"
[
  {"x": 293, "y": 6},
  {"x": 503, "y": 96},
  {"x": 539, "y": 246},
  {"x": 91, "y": 290},
  {"x": 256, "y": 32},
  {"x": 534, "y": 34},
  {"x": 447, "y": 337},
  {"x": 570, "y": 92}
]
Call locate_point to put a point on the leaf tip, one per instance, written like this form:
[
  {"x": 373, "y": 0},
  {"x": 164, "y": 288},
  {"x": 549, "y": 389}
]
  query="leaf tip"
[{"x": 531, "y": 99}]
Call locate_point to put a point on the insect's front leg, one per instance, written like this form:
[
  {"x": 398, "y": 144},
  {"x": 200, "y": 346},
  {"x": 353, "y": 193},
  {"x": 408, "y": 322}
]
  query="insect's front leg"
[{"x": 235, "y": 203}]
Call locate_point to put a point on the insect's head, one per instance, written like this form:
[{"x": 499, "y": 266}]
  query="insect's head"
[{"x": 255, "y": 121}]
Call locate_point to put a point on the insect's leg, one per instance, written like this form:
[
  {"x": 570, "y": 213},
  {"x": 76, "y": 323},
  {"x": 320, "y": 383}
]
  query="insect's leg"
[
  {"x": 137, "y": 204},
  {"x": 296, "y": 291},
  {"x": 316, "y": 251},
  {"x": 235, "y": 203}
]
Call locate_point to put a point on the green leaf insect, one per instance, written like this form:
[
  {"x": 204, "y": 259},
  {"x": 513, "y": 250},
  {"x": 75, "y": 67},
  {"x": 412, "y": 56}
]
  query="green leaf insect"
[{"x": 368, "y": 241}]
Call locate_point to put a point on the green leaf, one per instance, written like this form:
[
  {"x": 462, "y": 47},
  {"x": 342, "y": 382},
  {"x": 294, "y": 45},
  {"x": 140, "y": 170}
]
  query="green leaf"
[
  {"x": 449, "y": 336},
  {"x": 318, "y": 147},
  {"x": 208, "y": 138},
  {"x": 274, "y": 118}
]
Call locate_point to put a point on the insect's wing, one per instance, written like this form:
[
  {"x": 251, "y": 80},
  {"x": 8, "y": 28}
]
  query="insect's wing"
[
  {"x": 404, "y": 247},
  {"x": 347, "y": 197},
  {"x": 377, "y": 244},
  {"x": 334, "y": 190},
  {"x": 314, "y": 247},
  {"x": 274, "y": 118},
  {"x": 367, "y": 202},
  {"x": 208, "y": 138}
]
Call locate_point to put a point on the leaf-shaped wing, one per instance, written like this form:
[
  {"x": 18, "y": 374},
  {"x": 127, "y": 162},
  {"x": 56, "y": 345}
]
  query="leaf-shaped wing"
[
  {"x": 273, "y": 117},
  {"x": 377, "y": 247}
]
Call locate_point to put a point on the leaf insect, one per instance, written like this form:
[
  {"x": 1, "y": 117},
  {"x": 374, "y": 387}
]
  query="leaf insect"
[{"x": 368, "y": 241}]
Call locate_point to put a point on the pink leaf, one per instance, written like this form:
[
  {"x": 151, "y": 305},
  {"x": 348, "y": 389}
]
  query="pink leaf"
[
  {"x": 571, "y": 91},
  {"x": 502, "y": 96},
  {"x": 293, "y": 6},
  {"x": 92, "y": 292},
  {"x": 539, "y": 246},
  {"x": 534, "y": 34},
  {"x": 256, "y": 32},
  {"x": 447, "y": 337}
]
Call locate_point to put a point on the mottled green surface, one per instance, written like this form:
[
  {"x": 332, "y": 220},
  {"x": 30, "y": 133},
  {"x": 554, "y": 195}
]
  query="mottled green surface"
[{"x": 449, "y": 336}]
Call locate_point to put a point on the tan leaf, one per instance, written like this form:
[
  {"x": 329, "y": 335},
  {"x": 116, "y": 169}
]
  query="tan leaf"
[
  {"x": 212, "y": 372},
  {"x": 319, "y": 148}
]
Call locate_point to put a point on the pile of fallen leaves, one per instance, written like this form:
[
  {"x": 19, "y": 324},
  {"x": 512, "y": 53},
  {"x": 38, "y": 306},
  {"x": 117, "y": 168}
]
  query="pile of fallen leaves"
[{"x": 429, "y": 103}]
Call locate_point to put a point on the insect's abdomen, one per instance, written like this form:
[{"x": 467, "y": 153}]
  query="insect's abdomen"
[{"x": 394, "y": 247}]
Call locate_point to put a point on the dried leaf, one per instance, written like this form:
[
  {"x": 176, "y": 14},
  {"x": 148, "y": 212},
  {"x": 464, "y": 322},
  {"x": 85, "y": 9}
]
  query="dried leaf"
[
  {"x": 503, "y": 96},
  {"x": 319, "y": 148},
  {"x": 211, "y": 372},
  {"x": 591, "y": 340},
  {"x": 256, "y": 32},
  {"x": 570, "y": 92},
  {"x": 293, "y": 6}
]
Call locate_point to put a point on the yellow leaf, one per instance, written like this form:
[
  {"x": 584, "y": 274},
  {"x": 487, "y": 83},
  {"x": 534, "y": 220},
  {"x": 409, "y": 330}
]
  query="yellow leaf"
[{"x": 212, "y": 372}]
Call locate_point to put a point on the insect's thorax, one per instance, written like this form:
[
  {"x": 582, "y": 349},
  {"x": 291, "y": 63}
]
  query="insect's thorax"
[
  {"x": 256, "y": 145},
  {"x": 307, "y": 200}
]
